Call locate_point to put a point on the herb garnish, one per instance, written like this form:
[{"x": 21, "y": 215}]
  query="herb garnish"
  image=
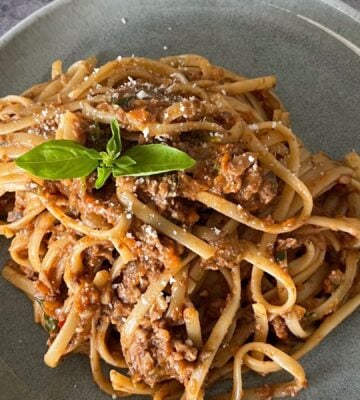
[
  {"x": 50, "y": 323},
  {"x": 280, "y": 255},
  {"x": 124, "y": 102},
  {"x": 309, "y": 316},
  {"x": 67, "y": 159}
]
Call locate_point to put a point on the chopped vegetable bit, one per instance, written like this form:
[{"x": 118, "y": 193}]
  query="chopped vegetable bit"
[
  {"x": 51, "y": 324},
  {"x": 280, "y": 256},
  {"x": 124, "y": 101}
]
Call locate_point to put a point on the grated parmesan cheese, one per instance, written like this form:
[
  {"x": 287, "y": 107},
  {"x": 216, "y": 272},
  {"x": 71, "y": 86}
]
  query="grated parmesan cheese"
[
  {"x": 146, "y": 132},
  {"x": 142, "y": 95},
  {"x": 140, "y": 180},
  {"x": 216, "y": 230}
]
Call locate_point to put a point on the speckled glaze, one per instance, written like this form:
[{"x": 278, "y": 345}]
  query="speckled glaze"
[{"x": 318, "y": 80}]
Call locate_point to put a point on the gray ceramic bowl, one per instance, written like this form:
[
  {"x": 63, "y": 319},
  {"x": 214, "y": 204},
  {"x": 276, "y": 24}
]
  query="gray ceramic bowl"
[{"x": 318, "y": 75}]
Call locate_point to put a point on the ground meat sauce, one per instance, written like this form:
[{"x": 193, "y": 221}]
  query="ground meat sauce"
[
  {"x": 223, "y": 169},
  {"x": 96, "y": 208},
  {"x": 226, "y": 170},
  {"x": 155, "y": 353},
  {"x": 160, "y": 349}
]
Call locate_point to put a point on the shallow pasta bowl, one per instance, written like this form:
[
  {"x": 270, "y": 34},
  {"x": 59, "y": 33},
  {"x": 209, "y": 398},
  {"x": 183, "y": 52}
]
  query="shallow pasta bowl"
[{"x": 312, "y": 47}]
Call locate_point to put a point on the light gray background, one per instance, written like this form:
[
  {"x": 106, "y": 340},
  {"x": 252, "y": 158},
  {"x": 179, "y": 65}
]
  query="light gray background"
[{"x": 323, "y": 98}]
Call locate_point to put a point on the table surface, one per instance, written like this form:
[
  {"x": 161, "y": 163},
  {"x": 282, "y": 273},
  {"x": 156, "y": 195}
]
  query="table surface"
[{"x": 13, "y": 11}]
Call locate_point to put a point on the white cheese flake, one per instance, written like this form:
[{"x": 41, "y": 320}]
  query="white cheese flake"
[
  {"x": 253, "y": 127},
  {"x": 146, "y": 132},
  {"x": 215, "y": 134},
  {"x": 216, "y": 230},
  {"x": 142, "y": 95},
  {"x": 140, "y": 180}
]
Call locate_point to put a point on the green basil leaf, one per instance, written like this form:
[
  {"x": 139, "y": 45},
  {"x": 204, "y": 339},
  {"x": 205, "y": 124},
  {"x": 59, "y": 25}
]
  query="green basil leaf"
[
  {"x": 124, "y": 161},
  {"x": 59, "y": 159},
  {"x": 154, "y": 159},
  {"x": 103, "y": 174},
  {"x": 107, "y": 159},
  {"x": 93, "y": 154},
  {"x": 114, "y": 146}
]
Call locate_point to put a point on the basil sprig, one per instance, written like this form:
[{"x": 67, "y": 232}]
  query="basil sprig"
[{"x": 66, "y": 159}]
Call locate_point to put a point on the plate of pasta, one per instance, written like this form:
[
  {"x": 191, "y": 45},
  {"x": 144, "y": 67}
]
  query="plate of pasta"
[{"x": 180, "y": 201}]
